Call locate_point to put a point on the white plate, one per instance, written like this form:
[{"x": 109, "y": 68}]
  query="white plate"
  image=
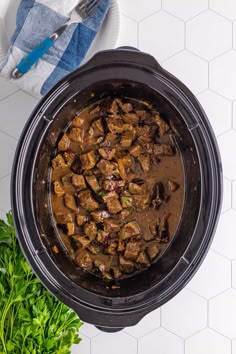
[{"x": 105, "y": 39}]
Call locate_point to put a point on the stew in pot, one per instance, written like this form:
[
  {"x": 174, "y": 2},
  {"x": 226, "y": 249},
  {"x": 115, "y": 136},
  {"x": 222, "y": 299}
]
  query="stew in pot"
[{"x": 117, "y": 187}]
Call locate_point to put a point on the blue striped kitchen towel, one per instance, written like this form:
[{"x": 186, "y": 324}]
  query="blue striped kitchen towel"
[{"x": 36, "y": 20}]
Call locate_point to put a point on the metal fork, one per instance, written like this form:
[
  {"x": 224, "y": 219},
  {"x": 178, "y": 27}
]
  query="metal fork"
[{"x": 81, "y": 12}]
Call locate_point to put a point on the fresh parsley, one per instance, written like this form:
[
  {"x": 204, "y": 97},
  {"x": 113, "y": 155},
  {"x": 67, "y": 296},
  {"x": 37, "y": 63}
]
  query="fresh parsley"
[{"x": 32, "y": 321}]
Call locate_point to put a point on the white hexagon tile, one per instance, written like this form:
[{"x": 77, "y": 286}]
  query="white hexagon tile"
[{"x": 196, "y": 41}]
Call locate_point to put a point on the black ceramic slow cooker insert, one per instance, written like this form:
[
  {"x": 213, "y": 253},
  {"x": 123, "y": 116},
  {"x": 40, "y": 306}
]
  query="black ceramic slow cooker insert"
[{"x": 124, "y": 72}]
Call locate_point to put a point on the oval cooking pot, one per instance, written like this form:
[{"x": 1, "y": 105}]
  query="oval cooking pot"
[{"x": 130, "y": 73}]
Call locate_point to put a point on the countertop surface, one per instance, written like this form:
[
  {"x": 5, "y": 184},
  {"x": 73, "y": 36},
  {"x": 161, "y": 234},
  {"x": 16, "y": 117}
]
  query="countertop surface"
[{"x": 196, "y": 41}]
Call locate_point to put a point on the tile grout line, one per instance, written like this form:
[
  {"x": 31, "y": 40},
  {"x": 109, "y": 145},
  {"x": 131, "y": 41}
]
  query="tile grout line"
[{"x": 11, "y": 94}]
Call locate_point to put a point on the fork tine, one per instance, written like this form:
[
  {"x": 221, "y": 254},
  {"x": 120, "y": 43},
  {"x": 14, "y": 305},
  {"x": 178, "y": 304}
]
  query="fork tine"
[
  {"x": 92, "y": 3},
  {"x": 92, "y": 6}
]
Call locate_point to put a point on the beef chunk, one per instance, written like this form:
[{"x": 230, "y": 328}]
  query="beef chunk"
[
  {"x": 78, "y": 181},
  {"x": 135, "y": 150},
  {"x": 126, "y": 213},
  {"x": 126, "y": 139},
  {"x": 144, "y": 133},
  {"x": 106, "y": 167},
  {"x": 70, "y": 226},
  {"x": 130, "y": 118},
  {"x": 113, "y": 108},
  {"x": 58, "y": 189},
  {"x": 81, "y": 219},
  {"x": 63, "y": 218},
  {"x": 129, "y": 230},
  {"x": 121, "y": 246},
  {"x": 110, "y": 140},
  {"x": 122, "y": 169},
  {"x": 163, "y": 126},
  {"x": 114, "y": 206},
  {"x": 142, "y": 202},
  {"x": 113, "y": 185},
  {"x": 111, "y": 249},
  {"x": 78, "y": 122},
  {"x": 125, "y": 107},
  {"x": 66, "y": 180},
  {"x": 117, "y": 126},
  {"x": 77, "y": 135},
  {"x": 117, "y": 273},
  {"x": 107, "y": 153},
  {"x": 141, "y": 113},
  {"x": 132, "y": 250},
  {"x": 90, "y": 230},
  {"x": 145, "y": 162},
  {"x": 102, "y": 236},
  {"x": 173, "y": 186},
  {"x": 126, "y": 200},
  {"x": 153, "y": 229},
  {"x": 135, "y": 188},
  {"x": 83, "y": 241},
  {"x": 70, "y": 202},
  {"x": 111, "y": 225},
  {"x": 103, "y": 263},
  {"x": 108, "y": 196},
  {"x": 96, "y": 128},
  {"x": 143, "y": 259},
  {"x": 163, "y": 150},
  {"x": 88, "y": 160},
  {"x": 84, "y": 260},
  {"x": 153, "y": 250},
  {"x": 69, "y": 156},
  {"x": 126, "y": 265},
  {"x": 93, "y": 248},
  {"x": 92, "y": 181},
  {"x": 100, "y": 215},
  {"x": 87, "y": 201},
  {"x": 64, "y": 143},
  {"x": 58, "y": 162}
]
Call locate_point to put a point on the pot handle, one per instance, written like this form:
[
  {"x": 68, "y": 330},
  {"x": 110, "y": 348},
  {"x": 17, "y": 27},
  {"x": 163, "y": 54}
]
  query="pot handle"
[{"x": 125, "y": 55}]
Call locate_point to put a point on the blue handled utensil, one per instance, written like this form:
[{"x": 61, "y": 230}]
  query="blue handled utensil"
[{"x": 82, "y": 11}]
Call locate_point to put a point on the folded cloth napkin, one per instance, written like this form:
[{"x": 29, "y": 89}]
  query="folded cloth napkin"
[{"x": 36, "y": 20}]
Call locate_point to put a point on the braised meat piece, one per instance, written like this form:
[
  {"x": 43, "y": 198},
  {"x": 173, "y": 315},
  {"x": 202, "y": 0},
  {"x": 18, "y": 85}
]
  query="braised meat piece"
[
  {"x": 111, "y": 249},
  {"x": 58, "y": 189},
  {"x": 132, "y": 250},
  {"x": 102, "y": 236},
  {"x": 58, "y": 162},
  {"x": 106, "y": 167},
  {"x": 70, "y": 202},
  {"x": 126, "y": 200},
  {"x": 93, "y": 248},
  {"x": 143, "y": 259},
  {"x": 126, "y": 139},
  {"x": 126, "y": 265},
  {"x": 163, "y": 126},
  {"x": 100, "y": 215},
  {"x": 81, "y": 219},
  {"x": 88, "y": 160},
  {"x": 135, "y": 150},
  {"x": 109, "y": 196},
  {"x": 124, "y": 106},
  {"x": 117, "y": 273},
  {"x": 104, "y": 264},
  {"x": 121, "y": 246},
  {"x": 87, "y": 201},
  {"x": 64, "y": 143},
  {"x": 129, "y": 230},
  {"x": 145, "y": 133},
  {"x": 163, "y": 150},
  {"x": 153, "y": 250},
  {"x": 130, "y": 118},
  {"x": 84, "y": 260},
  {"x": 113, "y": 185},
  {"x": 138, "y": 187},
  {"x": 78, "y": 181},
  {"x": 96, "y": 128},
  {"x": 116, "y": 125},
  {"x": 107, "y": 153},
  {"x": 78, "y": 122},
  {"x": 114, "y": 206},
  {"x": 145, "y": 162},
  {"x": 69, "y": 156},
  {"x": 70, "y": 227},
  {"x": 111, "y": 225},
  {"x": 76, "y": 135},
  {"x": 63, "y": 218},
  {"x": 93, "y": 183},
  {"x": 90, "y": 230},
  {"x": 67, "y": 182}
]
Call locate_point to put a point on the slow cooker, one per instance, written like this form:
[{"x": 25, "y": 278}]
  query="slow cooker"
[{"x": 124, "y": 72}]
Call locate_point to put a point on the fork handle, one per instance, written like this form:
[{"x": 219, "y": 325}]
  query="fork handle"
[{"x": 37, "y": 53}]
